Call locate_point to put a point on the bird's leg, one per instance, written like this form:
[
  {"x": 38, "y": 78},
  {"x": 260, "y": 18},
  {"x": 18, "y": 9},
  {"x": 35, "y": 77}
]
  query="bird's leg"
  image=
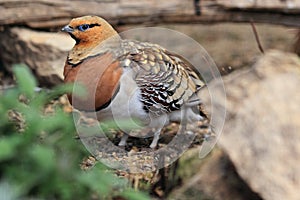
[
  {"x": 155, "y": 139},
  {"x": 157, "y": 123},
  {"x": 124, "y": 138}
]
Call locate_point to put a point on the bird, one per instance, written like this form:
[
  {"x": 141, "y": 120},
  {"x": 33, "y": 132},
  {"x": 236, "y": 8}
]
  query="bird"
[{"x": 130, "y": 79}]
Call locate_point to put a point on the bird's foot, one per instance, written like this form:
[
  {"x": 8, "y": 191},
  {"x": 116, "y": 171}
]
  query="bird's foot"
[
  {"x": 123, "y": 141},
  {"x": 155, "y": 140}
]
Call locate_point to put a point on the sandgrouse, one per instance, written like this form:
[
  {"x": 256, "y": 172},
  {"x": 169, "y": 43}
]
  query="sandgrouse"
[{"x": 130, "y": 79}]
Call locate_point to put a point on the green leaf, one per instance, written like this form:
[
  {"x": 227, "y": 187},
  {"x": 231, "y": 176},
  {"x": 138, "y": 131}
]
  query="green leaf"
[
  {"x": 79, "y": 90},
  {"x": 9, "y": 146},
  {"x": 98, "y": 182},
  {"x": 10, "y": 99},
  {"x": 134, "y": 195},
  {"x": 43, "y": 157},
  {"x": 76, "y": 89},
  {"x": 25, "y": 79}
]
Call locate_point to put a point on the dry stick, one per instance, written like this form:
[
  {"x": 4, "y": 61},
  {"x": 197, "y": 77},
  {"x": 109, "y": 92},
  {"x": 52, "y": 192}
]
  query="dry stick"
[{"x": 256, "y": 37}]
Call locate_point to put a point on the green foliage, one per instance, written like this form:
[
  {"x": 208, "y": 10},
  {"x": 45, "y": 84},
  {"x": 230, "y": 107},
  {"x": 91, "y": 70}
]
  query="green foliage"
[
  {"x": 41, "y": 159},
  {"x": 26, "y": 84},
  {"x": 132, "y": 195}
]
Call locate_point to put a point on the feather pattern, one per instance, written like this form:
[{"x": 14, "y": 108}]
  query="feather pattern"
[{"x": 165, "y": 79}]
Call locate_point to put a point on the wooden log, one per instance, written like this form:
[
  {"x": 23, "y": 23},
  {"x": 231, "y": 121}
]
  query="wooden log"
[
  {"x": 48, "y": 14},
  {"x": 288, "y": 6}
]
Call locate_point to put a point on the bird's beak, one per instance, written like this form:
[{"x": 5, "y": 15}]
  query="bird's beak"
[{"x": 67, "y": 29}]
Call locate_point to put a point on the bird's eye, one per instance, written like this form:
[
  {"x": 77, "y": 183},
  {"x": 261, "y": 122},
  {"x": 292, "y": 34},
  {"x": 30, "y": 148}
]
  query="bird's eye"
[{"x": 83, "y": 27}]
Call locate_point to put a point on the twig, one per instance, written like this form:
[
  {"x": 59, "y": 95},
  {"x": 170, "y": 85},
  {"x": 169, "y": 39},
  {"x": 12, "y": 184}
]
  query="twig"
[
  {"x": 197, "y": 7},
  {"x": 256, "y": 37}
]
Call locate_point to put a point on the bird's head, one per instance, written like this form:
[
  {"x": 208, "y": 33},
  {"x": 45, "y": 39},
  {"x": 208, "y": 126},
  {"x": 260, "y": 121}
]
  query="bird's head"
[{"x": 89, "y": 30}]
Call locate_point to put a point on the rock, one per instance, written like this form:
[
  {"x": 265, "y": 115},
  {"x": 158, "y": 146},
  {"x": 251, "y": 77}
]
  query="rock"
[
  {"x": 215, "y": 178},
  {"x": 44, "y": 53},
  {"x": 261, "y": 136},
  {"x": 297, "y": 44}
]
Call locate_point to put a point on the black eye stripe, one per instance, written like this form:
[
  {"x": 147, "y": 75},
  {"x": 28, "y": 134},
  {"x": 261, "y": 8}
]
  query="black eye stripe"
[
  {"x": 87, "y": 26},
  {"x": 92, "y": 25}
]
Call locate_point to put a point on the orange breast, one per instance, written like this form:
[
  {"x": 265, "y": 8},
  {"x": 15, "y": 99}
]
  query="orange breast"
[{"x": 100, "y": 77}]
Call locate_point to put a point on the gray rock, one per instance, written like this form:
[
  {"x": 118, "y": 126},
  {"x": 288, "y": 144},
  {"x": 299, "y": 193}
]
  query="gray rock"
[
  {"x": 45, "y": 53},
  {"x": 261, "y": 135}
]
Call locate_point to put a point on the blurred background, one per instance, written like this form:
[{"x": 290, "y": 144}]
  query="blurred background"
[{"x": 258, "y": 152}]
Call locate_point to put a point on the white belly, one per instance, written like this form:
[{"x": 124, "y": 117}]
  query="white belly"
[{"x": 126, "y": 105}]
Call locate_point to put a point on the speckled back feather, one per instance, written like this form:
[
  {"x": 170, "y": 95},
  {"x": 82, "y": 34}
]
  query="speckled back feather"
[{"x": 167, "y": 81}]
